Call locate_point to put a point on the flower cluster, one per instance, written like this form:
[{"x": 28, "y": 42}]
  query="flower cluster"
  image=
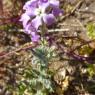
[{"x": 37, "y": 13}]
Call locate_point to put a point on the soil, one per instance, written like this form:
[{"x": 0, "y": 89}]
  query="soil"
[{"x": 69, "y": 36}]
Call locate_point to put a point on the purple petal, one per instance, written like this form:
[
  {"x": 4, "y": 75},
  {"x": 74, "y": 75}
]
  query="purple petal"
[
  {"x": 25, "y": 18},
  {"x": 31, "y": 12},
  {"x": 44, "y": 5},
  {"x": 35, "y": 37},
  {"x": 44, "y": 1},
  {"x": 30, "y": 28},
  {"x": 56, "y": 11},
  {"x": 49, "y": 19},
  {"x": 30, "y": 4},
  {"x": 54, "y": 3},
  {"x": 37, "y": 21}
]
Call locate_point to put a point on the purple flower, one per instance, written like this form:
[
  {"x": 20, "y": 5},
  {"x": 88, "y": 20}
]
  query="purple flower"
[
  {"x": 36, "y": 14},
  {"x": 36, "y": 10}
]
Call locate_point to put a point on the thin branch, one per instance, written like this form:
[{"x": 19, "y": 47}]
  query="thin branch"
[
  {"x": 50, "y": 30},
  {"x": 24, "y": 47},
  {"x": 85, "y": 43},
  {"x": 73, "y": 10}
]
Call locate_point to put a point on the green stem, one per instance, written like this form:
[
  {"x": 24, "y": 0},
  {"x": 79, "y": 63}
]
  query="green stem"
[{"x": 43, "y": 31}]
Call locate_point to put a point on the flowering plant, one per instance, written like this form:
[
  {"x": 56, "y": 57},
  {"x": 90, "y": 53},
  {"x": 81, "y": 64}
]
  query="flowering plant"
[{"x": 38, "y": 15}]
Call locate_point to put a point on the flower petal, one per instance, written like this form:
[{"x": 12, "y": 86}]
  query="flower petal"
[
  {"x": 35, "y": 37},
  {"x": 43, "y": 4},
  {"x": 44, "y": 1},
  {"x": 37, "y": 21},
  {"x": 54, "y": 3},
  {"x": 30, "y": 28},
  {"x": 49, "y": 19},
  {"x": 56, "y": 11},
  {"x": 30, "y": 4},
  {"x": 31, "y": 12},
  {"x": 25, "y": 18}
]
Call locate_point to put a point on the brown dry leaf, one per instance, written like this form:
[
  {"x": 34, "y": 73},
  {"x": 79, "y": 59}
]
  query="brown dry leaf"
[
  {"x": 92, "y": 45},
  {"x": 65, "y": 83}
]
